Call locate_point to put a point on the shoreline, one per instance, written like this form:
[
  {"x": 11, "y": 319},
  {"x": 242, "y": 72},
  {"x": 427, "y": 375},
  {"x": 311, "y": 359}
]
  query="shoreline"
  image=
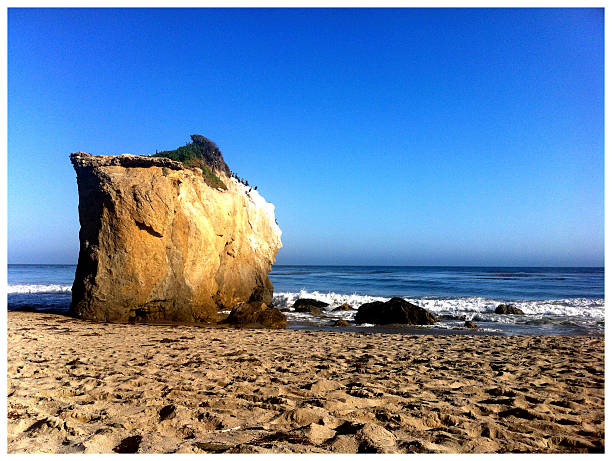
[
  {"x": 82, "y": 387},
  {"x": 484, "y": 328}
]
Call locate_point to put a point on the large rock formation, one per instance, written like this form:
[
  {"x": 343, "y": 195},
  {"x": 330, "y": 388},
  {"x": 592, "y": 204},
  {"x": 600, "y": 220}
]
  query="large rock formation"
[{"x": 159, "y": 244}]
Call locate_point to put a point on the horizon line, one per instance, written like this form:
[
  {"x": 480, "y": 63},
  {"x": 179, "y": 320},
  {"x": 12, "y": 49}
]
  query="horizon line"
[{"x": 361, "y": 265}]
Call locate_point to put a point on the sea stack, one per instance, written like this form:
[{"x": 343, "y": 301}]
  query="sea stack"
[{"x": 168, "y": 240}]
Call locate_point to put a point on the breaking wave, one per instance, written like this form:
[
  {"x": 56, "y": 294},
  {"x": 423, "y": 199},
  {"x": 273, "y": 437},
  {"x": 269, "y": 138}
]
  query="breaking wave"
[
  {"x": 457, "y": 306},
  {"x": 558, "y": 316},
  {"x": 23, "y": 289}
]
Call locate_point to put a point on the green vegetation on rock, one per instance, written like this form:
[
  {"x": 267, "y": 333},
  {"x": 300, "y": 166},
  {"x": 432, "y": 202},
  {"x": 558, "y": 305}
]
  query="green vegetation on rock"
[{"x": 201, "y": 153}]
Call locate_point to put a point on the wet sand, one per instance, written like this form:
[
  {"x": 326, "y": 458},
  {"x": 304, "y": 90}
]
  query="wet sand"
[{"x": 83, "y": 387}]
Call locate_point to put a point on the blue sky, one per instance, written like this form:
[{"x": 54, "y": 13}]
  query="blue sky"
[{"x": 384, "y": 137}]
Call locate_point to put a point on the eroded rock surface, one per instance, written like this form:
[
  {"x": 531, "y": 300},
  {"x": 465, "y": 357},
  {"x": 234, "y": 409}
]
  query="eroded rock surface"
[{"x": 159, "y": 244}]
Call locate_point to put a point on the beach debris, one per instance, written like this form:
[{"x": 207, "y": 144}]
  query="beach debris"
[
  {"x": 508, "y": 309},
  {"x": 396, "y": 310},
  {"x": 129, "y": 444}
]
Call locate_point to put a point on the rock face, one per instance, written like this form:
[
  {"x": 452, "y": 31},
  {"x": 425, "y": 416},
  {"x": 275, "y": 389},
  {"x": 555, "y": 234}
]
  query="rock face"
[
  {"x": 159, "y": 244},
  {"x": 396, "y": 310},
  {"x": 508, "y": 309}
]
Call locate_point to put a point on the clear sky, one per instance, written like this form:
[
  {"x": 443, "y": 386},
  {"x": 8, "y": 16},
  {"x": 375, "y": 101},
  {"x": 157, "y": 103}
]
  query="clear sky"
[{"x": 383, "y": 137}]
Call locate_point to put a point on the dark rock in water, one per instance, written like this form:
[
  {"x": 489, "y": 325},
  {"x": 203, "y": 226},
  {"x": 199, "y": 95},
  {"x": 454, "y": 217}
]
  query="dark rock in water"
[
  {"x": 508, "y": 309},
  {"x": 311, "y": 306},
  {"x": 470, "y": 324},
  {"x": 396, "y": 310},
  {"x": 285, "y": 309},
  {"x": 168, "y": 412},
  {"x": 344, "y": 307},
  {"x": 312, "y": 310},
  {"x": 129, "y": 445},
  {"x": 309, "y": 302},
  {"x": 340, "y": 323},
  {"x": 256, "y": 314},
  {"x": 451, "y": 317}
]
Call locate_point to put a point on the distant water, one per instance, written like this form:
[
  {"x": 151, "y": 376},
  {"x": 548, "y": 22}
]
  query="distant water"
[{"x": 557, "y": 301}]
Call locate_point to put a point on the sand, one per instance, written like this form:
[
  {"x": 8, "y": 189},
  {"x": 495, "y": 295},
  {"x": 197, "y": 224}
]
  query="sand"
[{"x": 81, "y": 387}]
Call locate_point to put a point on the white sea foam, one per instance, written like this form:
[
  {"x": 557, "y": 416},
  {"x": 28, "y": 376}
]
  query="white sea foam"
[
  {"x": 571, "y": 307},
  {"x": 286, "y": 299},
  {"x": 470, "y": 308},
  {"x": 39, "y": 289}
]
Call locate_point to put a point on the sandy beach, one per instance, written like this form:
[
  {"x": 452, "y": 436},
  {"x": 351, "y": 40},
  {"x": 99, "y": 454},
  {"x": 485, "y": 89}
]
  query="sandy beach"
[{"x": 82, "y": 387}]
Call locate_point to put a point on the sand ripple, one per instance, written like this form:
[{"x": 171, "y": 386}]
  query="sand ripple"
[{"x": 81, "y": 387}]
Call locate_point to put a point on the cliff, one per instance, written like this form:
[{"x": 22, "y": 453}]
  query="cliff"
[{"x": 158, "y": 243}]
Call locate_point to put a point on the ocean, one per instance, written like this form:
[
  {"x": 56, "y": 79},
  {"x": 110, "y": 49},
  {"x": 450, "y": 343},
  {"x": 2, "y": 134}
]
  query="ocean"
[{"x": 556, "y": 301}]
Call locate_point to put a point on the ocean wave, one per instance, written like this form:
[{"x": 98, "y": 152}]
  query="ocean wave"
[
  {"x": 22, "y": 289},
  {"x": 287, "y": 299},
  {"x": 571, "y": 307},
  {"x": 467, "y": 307}
]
